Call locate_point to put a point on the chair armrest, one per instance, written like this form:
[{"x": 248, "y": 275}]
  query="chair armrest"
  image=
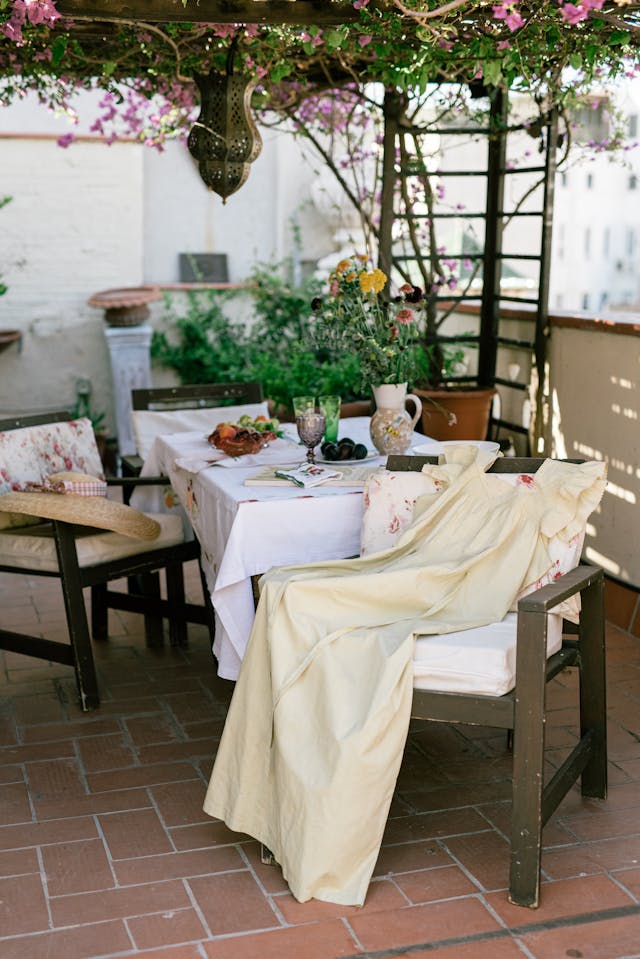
[
  {"x": 545, "y": 598},
  {"x": 131, "y": 465},
  {"x": 130, "y": 482}
]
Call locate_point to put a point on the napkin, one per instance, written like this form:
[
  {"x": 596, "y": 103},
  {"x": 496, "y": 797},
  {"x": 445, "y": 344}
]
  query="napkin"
[
  {"x": 277, "y": 452},
  {"x": 309, "y": 474}
]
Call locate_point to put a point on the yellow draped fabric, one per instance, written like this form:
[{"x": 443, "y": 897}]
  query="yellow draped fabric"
[{"x": 314, "y": 737}]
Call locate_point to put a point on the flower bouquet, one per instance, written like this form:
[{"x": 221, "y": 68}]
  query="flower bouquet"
[{"x": 357, "y": 316}]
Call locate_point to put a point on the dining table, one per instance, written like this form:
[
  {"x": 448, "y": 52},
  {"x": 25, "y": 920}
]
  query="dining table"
[{"x": 244, "y": 530}]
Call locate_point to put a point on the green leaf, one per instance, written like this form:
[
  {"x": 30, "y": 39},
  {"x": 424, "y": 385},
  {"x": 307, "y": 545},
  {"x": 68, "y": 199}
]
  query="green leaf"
[
  {"x": 58, "y": 49},
  {"x": 618, "y": 37},
  {"x": 492, "y": 72},
  {"x": 109, "y": 67},
  {"x": 575, "y": 60},
  {"x": 280, "y": 71},
  {"x": 333, "y": 39}
]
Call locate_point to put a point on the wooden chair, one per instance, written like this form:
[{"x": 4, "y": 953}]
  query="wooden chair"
[
  {"x": 180, "y": 400},
  {"x": 28, "y": 550},
  {"x": 522, "y": 711}
]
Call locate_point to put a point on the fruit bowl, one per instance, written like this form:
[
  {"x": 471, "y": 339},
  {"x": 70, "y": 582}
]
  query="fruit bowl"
[{"x": 237, "y": 440}]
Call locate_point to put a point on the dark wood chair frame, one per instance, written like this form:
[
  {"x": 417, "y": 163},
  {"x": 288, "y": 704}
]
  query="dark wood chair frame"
[
  {"x": 142, "y": 572},
  {"x": 522, "y": 711},
  {"x": 198, "y": 396}
]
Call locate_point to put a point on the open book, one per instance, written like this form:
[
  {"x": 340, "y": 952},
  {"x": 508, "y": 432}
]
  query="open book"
[{"x": 309, "y": 475}]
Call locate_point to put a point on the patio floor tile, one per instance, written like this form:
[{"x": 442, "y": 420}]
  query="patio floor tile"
[
  {"x": 105, "y": 850},
  {"x": 429, "y": 923},
  {"x": 325, "y": 940}
]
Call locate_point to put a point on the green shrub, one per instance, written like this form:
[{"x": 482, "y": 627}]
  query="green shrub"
[{"x": 204, "y": 346}]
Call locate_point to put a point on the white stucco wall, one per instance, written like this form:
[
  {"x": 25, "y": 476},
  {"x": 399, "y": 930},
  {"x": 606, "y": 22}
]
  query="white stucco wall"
[
  {"x": 73, "y": 226},
  {"x": 93, "y": 217}
]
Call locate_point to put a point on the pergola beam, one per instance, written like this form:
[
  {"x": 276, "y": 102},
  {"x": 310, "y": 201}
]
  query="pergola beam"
[{"x": 303, "y": 12}]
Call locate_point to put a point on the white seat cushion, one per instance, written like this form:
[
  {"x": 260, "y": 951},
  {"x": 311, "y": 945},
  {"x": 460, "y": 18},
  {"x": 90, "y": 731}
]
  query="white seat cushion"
[
  {"x": 27, "y": 549},
  {"x": 147, "y": 424},
  {"x": 480, "y": 661}
]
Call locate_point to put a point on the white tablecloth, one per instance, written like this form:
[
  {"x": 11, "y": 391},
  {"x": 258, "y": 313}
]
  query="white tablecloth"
[{"x": 245, "y": 530}]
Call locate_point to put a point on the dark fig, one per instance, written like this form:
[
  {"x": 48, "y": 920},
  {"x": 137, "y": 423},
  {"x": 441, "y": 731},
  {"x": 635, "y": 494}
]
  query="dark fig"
[
  {"x": 330, "y": 451},
  {"x": 346, "y": 447},
  {"x": 360, "y": 451}
]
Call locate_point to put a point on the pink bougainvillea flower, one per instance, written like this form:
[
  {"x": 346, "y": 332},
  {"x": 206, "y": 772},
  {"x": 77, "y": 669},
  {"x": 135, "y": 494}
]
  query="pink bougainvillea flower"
[
  {"x": 364, "y": 39},
  {"x": 509, "y": 13},
  {"x": 360, "y": 4},
  {"x": 572, "y": 14},
  {"x": 66, "y": 140}
]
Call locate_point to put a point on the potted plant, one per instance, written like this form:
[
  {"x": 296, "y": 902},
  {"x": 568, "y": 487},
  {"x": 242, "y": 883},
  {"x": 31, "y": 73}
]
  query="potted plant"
[{"x": 203, "y": 345}]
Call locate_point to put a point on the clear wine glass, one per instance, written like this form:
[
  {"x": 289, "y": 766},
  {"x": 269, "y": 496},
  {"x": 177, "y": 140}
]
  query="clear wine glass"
[{"x": 310, "y": 426}]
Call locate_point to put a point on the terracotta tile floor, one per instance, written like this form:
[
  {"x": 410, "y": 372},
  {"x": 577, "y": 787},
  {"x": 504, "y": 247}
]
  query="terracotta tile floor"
[{"x": 105, "y": 850}]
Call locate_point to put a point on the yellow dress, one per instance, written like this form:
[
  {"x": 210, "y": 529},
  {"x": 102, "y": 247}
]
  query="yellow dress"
[{"x": 313, "y": 741}]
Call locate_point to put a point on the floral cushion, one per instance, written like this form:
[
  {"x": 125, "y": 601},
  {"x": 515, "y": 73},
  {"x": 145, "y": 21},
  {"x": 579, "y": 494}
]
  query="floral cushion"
[
  {"x": 30, "y": 454},
  {"x": 147, "y": 424},
  {"x": 389, "y": 501}
]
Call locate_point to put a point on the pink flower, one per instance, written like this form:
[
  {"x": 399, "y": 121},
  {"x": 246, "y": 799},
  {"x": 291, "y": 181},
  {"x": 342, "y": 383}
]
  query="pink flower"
[
  {"x": 360, "y": 4},
  {"x": 405, "y": 316},
  {"x": 66, "y": 140},
  {"x": 364, "y": 39},
  {"x": 572, "y": 14},
  {"x": 508, "y": 13}
]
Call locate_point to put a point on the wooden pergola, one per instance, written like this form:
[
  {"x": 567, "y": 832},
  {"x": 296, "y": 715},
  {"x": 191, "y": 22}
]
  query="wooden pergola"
[{"x": 300, "y": 12}]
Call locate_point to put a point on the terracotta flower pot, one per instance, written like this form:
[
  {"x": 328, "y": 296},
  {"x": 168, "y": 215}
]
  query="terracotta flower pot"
[{"x": 471, "y": 408}]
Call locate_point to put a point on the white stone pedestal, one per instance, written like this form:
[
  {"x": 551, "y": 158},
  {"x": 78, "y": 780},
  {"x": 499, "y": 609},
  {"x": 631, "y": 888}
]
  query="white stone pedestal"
[{"x": 129, "y": 347}]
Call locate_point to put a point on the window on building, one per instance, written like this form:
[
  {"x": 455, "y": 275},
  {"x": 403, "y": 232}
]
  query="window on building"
[
  {"x": 564, "y": 179},
  {"x": 559, "y": 301},
  {"x": 589, "y": 181},
  {"x": 587, "y": 242},
  {"x": 633, "y": 182},
  {"x": 591, "y": 120},
  {"x": 585, "y": 301},
  {"x": 631, "y": 241},
  {"x": 560, "y": 235},
  {"x": 633, "y": 125}
]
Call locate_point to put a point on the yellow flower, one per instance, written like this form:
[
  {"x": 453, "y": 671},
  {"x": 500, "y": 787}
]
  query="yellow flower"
[
  {"x": 372, "y": 282},
  {"x": 343, "y": 265},
  {"x": 350, "y": 277}
]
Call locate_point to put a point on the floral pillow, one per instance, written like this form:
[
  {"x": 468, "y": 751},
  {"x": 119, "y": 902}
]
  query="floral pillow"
[
  {"x": 389, "y": 501},
  {"x": 30, "y": 454}
]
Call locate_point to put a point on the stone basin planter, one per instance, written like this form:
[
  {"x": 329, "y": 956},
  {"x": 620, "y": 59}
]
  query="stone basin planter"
[{"x": 128, "y": 306}]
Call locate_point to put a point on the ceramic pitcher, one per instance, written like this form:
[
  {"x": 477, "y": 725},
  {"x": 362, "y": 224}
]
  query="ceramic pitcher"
[{"x": 391, "y": 425}]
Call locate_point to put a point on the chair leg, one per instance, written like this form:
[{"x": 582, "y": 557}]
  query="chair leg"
[
  {"x": 149, "y": 584},
  {"x": 593, "y": 717},
  {"x": 78, "y": 625},
  {"x": 528, "y": 760},
  {"x": 175, "y": 595},
  {"x": 99, "y": 612},
  {"x": 208, "y": 605}
]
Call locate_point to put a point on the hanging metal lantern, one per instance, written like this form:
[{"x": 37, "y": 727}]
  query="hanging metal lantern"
[{"x": 225, "y": 139}]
